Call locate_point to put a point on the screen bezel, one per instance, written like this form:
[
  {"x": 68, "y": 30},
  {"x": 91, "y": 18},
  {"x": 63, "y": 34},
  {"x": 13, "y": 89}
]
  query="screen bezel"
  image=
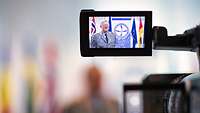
[{"x": 84, "y": 35}]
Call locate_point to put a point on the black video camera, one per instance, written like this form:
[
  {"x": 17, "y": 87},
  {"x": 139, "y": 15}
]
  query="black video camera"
[
  {"x": 164, "y": 93},
  {"x": 130, "y": 33},
  {"x": 167, "y": 93}
]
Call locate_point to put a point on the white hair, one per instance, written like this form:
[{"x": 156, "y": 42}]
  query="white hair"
[{"x": 105, "y": 21}]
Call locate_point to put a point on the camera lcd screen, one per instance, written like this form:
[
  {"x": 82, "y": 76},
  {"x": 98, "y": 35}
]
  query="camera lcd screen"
[{"x": 115, "y": 33}]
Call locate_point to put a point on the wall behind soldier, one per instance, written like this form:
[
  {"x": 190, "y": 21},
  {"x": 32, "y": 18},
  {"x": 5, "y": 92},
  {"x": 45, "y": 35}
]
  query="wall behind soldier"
[{"x": 60, "y": 19}]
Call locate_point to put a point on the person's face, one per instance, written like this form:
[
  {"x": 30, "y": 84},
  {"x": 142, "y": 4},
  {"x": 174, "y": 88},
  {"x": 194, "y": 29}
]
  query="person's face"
[
  {"x": 105, "y": 27},
  {"x": 94, "y": 81}
]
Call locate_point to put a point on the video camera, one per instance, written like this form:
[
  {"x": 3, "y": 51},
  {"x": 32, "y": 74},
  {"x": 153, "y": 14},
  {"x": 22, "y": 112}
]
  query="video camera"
[
  {"x": 131, "y": 34},
  {"x": 168, "y": 93}
]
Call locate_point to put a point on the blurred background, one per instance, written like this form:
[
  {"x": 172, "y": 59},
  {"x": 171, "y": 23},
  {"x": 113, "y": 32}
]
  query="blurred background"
[{"x": 40, "y": 61}]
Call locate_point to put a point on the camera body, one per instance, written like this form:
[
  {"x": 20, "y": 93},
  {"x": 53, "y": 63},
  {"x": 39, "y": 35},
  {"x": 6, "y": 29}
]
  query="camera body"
[
  {"x": 173, "y": 101},
  {"x": 169, "y": 93}
]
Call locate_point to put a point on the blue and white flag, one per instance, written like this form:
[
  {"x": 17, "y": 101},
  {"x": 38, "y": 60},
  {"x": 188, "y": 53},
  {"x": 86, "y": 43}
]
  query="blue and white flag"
[{"x": 121, "y": 26}]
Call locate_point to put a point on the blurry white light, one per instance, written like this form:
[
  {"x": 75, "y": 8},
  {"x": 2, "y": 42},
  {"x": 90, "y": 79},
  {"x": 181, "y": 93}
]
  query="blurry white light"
[{"x": 135, "y": 100}]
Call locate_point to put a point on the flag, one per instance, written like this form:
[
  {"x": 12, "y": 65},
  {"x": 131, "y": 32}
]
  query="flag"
[
  {"x": 30, "y": 75},
  {"x": 141, "y": 32},
  {"x": 134, "y": 33},
  {"x": 6, "y": 90},
  {"x": 5, "y": 77},
  {"x": 121, "y": 26},
  {"x": 29, "y": 48},
  {"x": 93, "y": 26},
  {"x": 50, "y": 60}
]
